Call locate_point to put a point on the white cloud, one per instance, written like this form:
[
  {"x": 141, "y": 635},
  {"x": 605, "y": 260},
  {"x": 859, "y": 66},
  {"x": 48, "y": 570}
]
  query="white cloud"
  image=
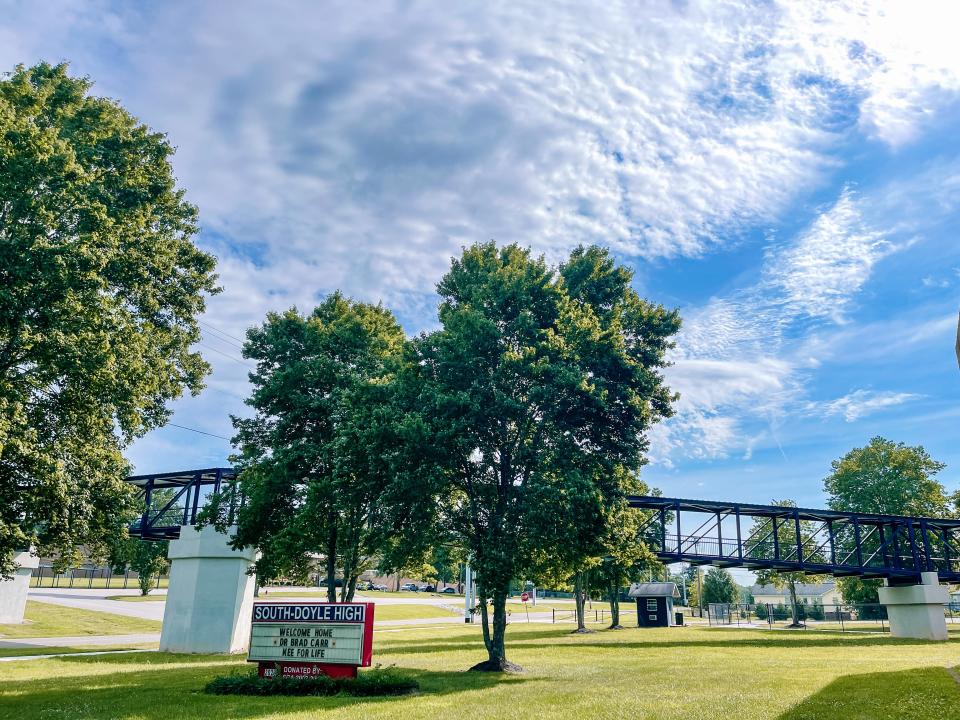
[
  {"x": 740, "y": 368},
  {"x": 859, "y": 403},
  {"x": 358, "y": 146},
  {"x": 829, "y": 263}
]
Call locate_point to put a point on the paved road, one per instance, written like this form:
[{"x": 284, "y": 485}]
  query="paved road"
[{"x": 97, "y": 600}]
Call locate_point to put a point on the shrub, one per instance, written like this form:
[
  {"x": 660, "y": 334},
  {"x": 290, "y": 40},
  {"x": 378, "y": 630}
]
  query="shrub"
[
  {"x": 761, "y": 611},
  {"x": 366, "y": 684}
]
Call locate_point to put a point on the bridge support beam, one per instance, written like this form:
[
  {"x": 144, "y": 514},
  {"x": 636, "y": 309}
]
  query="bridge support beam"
[
  {"x": 13, "y": 592},
  {"x": 916, "y": 611},
  {"x": 210, "y": 594}
]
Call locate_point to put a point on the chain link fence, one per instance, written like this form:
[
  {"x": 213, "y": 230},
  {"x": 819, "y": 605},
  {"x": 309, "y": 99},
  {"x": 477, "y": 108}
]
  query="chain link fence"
[
  {"x": 89, "y": 577},
  {"x": 846, "y": 617}
]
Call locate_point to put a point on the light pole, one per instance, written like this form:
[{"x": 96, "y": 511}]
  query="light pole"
[{"x": 467, "y": 593}]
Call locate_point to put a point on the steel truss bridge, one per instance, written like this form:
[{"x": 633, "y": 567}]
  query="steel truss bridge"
[
  {"x": 171, "y": 500},
  {"x": 801, "y": 540}
]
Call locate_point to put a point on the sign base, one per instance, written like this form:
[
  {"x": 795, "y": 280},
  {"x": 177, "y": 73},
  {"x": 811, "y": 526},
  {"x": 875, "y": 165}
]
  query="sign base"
[{"x": 269, "y": 669}]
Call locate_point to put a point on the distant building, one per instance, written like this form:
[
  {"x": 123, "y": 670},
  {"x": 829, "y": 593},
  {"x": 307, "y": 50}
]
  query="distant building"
[{"x": 825, "y": 593}]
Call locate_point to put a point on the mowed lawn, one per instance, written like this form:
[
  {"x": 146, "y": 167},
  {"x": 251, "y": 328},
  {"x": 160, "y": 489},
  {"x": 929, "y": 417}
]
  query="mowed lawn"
[
  {"x": 47, "y": 620},
  {"x": 683, "y": 673},
  {"x": 382, "y": 612}
]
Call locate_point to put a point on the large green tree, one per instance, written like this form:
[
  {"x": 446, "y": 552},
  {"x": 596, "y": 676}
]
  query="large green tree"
[
  {"x": 541, "y": 380},
  {"x": 887, "y": 478},
  {"x": 316, "y": 459},
  {"x": 719, "y": 587},
  {"x": 146, "y": 558},
  {"x": 100, "y": 285}
]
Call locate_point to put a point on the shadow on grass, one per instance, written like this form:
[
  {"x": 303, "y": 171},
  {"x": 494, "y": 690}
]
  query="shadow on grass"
[
  {"x": 916, "y": 693},
  {"x": 162, "y": 693},
  {"x": 619, "y": 639}
]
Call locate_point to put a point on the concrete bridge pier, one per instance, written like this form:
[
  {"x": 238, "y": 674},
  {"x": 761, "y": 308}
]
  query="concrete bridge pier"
[
  {"x": 210, "y": 594},
  {"x": 916, "y": 611},
  {"x": 13, "y": 592}
]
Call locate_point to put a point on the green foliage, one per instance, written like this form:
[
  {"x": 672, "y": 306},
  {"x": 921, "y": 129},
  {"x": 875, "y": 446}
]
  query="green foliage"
[
  {"x": 100, "y": 285},
  {"x": 540, "y": 383},
  {"x": 814, "y": 611},
  {"x": 858, "y": 591},
  {"x": 761, "y": 611},
  {"x": 888, "y": 478},
  {"x": 370, "y": 683},
  {"x": 719, "y": 587},
  {"x": 693, "y": 577},
  {"x": 146, "y": 558},
  {"x": 316, "y": 459}
]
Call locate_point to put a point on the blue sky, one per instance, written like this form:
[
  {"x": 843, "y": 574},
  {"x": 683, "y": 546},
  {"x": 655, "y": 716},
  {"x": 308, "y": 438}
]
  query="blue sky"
[{"x": 786, "y": 174}]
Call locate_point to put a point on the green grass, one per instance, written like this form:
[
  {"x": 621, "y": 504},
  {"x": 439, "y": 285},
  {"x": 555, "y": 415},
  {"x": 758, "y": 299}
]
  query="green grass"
[
  {"x": 51, "y": 650},
  {"x": 411, "y": 612},
  {"x": 661, "y": 674},
  {"x": 368, "y": 596},
  {"x": 138, "y": 598},
  {"x": 46, "y": 620},
  {"x": 79, "y": 583}
]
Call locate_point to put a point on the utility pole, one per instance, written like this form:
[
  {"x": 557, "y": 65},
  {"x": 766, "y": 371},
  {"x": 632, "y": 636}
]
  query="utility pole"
[
  {"x": 467, "y": 593},
  {"x": 699, "y": 593}
]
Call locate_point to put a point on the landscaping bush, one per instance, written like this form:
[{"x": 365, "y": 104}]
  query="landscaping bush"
[{"x": 366, "y": 684}]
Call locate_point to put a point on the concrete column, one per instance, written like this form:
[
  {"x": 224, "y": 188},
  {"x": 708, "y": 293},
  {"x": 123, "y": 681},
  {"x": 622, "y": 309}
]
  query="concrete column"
[
  {"x": 13, "y": 592},
  {"x": 210, "y": 594},
  {"x": 916, "y": 611}
]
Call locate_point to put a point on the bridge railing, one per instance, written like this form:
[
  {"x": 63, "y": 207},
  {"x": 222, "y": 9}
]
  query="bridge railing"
[{"x": 796, "y": 539}]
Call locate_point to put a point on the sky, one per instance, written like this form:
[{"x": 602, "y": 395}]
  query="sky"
[{"x": 786, "y": 174}]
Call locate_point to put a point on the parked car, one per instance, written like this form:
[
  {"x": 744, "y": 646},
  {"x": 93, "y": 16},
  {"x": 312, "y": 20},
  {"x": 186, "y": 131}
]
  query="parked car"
[
  {"x": 448, "y": 591},
  {"x": 429, "y": 588},
  {"x": 411, "y": 587}
]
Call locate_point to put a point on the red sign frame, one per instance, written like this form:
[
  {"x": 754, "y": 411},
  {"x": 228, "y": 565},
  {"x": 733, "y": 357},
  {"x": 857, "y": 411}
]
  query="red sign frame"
[{"x": 312, "y": 613}]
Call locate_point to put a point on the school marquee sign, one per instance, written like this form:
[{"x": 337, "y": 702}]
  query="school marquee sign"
[{"x": 303, "y": 639}]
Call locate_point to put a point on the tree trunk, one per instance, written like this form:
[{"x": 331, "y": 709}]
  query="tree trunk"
[
  {"x": 332, "y": 561},
  {"x": 484, "y": 616},
  {"x": 793, "y": 604},
  {"x": 580, "y": 600},
  {"x": 352, "y": 586},
  {"x": 495, "y": 638},
  {"x": 615, "y": 606}
]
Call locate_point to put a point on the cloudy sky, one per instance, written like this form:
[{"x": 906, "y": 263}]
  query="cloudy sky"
[{"x": 786, "y": 174}]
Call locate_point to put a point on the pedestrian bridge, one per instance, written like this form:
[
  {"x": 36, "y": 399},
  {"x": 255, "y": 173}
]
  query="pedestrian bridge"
[{"x": 897, "y": 548}]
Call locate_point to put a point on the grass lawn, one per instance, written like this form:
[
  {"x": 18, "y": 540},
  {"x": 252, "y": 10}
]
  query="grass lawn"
[
  {"x": 17, "y": 652},
  {"x": 681, "y": 673},
  {"x": 80, "y": 582},
  {"x": 46, "y": 620},
  {"x": 139, "y": 598},
  {"x": 411, "y": 612},
  {"x": 368, "y": 596}
]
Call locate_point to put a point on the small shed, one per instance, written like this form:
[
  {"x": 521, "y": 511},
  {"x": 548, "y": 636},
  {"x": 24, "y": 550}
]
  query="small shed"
[{"x": 654, "y": 603}]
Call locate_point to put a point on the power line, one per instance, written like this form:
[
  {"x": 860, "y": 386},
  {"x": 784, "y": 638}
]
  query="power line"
[
  {"x": 218, "y": 330},
  {"x": 211, "y": 335},
  {"x": 202, "y": 432},
  {"x": 227, "y": 355}
]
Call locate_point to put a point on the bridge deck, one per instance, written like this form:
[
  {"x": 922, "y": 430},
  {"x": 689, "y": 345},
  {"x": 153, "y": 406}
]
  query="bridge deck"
[
  {"x": 173, "y": 499},
  {"x": 804, "y": 540}
]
